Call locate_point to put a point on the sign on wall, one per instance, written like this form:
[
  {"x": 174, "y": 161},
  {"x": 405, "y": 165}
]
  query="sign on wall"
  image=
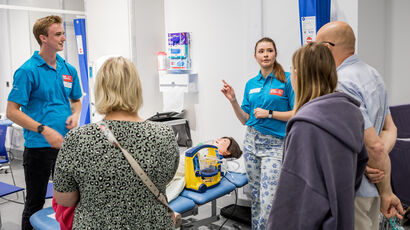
[
  {"x": 79, "y": 28},
  {"x": 313, "y": 14}
]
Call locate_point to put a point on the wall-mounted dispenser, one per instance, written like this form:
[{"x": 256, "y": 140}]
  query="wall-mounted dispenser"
[
  {"x": 187, "y": 82},
  {"x": 174, "y": 87},
  {"x": 177, "y": 79},
  {"x": 179, "y": 50}
]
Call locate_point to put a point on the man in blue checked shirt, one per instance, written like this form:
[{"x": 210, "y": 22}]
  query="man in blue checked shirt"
[{"x": 365, "y": 84}]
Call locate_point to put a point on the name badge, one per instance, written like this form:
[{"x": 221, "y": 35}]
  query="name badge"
[
  {"x": 68, "y": 81},
  {"x": 255, "y": 90},
  {"x": 277, "y": 92}
]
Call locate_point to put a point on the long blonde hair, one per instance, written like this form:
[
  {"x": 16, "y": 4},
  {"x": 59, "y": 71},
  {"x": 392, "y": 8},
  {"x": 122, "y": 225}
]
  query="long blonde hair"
[{"x": 315, "y": 71}]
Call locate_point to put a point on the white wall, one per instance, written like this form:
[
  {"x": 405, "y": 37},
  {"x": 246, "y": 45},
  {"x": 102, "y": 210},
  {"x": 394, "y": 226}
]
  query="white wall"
[
  {"x": 371, "y": 38},
  {"x": 20, "y": 39},
  {"x": 5, "y": 62},
  {"x": 15, "y": 48},
  {"x": 108, "y": 28},
  {"x": 283, "y": 28},
  {"x": 134, "y": 29},
  {"x": 149, "y": 38},
  {"x": 347, "y": 11},
  {"x": 398, "y": 51},
  {"x": 223, "y": 34}
]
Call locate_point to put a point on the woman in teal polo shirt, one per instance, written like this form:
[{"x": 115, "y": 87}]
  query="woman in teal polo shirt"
[{"x": 266, "y": 107}]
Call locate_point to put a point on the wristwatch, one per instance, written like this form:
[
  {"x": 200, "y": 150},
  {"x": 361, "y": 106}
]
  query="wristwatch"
[
  {"x": 270, "y": 114},
  {"x": 40, "y": 128}
]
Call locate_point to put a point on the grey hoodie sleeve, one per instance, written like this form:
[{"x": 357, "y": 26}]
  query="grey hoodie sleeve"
[
  {"x": 362, "y": 159},
  {"x": 299, "y": 201}
]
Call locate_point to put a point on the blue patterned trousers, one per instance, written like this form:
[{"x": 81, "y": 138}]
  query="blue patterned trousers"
[{"x": 263, "y": 161}]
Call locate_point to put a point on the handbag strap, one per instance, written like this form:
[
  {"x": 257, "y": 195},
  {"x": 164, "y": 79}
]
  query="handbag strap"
[{"x": 134, "y": 164}]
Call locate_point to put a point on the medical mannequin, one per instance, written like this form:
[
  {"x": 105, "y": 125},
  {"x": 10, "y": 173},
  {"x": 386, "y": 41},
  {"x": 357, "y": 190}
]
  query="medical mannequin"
[{"x": 227, "y": 147}]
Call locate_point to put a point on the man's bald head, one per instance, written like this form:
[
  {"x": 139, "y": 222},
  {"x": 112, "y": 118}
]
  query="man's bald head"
[{"x": 340, "y": 33}]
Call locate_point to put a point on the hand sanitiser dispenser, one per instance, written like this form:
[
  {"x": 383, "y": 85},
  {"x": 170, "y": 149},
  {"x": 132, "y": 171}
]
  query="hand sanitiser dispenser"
[{"x": 202, "y": 167}]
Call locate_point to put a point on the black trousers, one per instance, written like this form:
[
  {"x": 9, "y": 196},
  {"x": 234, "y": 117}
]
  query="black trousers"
[{"x": 38, "y": 166}]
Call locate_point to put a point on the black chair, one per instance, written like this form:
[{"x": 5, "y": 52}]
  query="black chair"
[
  {"x": 401, "y": 118},
  {"x": 400, "y": 170},
  {"x": 400, "y": 154}
]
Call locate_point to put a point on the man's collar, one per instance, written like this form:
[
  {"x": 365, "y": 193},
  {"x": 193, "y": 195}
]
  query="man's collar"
[
  {"x": 348, "y": 61},
  {"x": 40, "y": 61}
]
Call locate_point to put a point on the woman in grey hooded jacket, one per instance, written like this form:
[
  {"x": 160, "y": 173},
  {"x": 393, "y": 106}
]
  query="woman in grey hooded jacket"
[{"x": 324, "y": 153}]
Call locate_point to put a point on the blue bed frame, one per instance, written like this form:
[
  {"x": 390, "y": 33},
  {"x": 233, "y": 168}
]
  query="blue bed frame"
[{"x": 187, "y": 204}]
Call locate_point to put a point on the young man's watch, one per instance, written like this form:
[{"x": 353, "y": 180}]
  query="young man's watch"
[
  {"x": 40, "y": 128},
  {"x": 270, "y": 114}
]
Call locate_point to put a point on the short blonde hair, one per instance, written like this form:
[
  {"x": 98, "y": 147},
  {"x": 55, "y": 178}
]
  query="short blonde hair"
[
  {"x": 315, "y": 73},
  {"x": 41, "y": 26},
  {"x": 118, "y": 87}
]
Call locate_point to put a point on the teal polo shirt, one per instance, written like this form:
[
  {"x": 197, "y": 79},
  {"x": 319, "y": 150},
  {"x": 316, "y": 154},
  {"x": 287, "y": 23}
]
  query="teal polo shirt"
[
  {"x": 269, "y": 94},
  {"x": 43, "y": 93}
]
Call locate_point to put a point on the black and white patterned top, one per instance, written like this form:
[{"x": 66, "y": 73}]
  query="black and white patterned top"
[{"x": 112, "y": 196}]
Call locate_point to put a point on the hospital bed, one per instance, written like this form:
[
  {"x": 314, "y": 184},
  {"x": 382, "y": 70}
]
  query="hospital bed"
[
  {"x": 186, "y": 203},
  {"x": 228, "y": 184}
]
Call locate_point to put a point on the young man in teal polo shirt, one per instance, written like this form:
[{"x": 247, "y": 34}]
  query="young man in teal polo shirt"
[{"x": 48, "y": 91}]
